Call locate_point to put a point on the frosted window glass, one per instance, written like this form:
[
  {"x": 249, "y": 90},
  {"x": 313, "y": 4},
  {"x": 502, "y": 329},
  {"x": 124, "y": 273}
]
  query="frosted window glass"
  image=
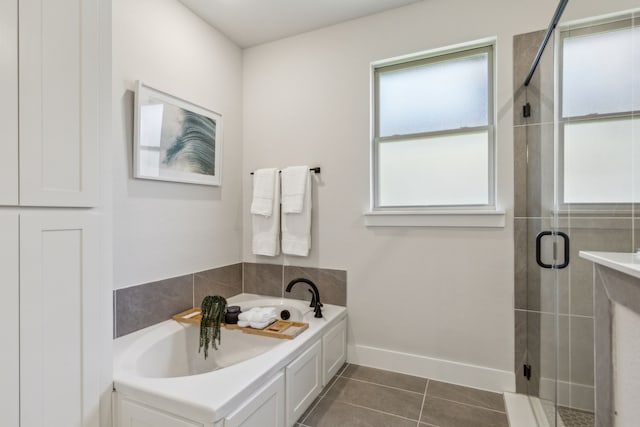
[
  {"x": 601, "y": 73},
  {"x": 437, "y": 171},
  {"x": 599, "y": 161},
  {"x": 444, "y": 95}
]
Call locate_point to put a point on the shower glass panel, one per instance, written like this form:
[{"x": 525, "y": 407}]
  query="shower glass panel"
[
  {"x": 598, "y": 83},
  {"x": 543, "y": 288},
  {"x": 577, "y": 171}
]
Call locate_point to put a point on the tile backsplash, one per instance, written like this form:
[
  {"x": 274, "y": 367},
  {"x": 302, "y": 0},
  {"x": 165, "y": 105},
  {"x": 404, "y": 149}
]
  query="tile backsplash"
[{"x": 140, "y": 306}]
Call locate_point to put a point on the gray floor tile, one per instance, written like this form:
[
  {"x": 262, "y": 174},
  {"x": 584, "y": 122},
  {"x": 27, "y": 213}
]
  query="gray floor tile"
[
  {"x": 445, "y": 413},
  {"x": 333, "y": 413},
  {"x": 393, "y": 401},
  {"x": 388, "y": 378},
  {"x": 471, "y": 396},
  {"x": 576, "y": 418}
]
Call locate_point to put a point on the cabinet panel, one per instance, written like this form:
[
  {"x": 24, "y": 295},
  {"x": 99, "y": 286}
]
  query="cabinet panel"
[
  {"x": 59, "y": 302},
  {"x": 9, "y": 102},
  {"x": 133, "y": 414},
  {"x": 9, "y": 318},
  {"x": 263, "y": 409},
  {"x": 334, "y": 351},
  {"x": 304, "y": 377},
  {"x": 58, "y": 47}
]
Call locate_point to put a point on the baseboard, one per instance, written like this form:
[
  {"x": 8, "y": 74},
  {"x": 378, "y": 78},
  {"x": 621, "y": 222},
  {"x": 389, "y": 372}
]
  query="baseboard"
[{"x": 437, "y": 369}]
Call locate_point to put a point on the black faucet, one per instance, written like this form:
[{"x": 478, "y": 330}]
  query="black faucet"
[{"x": 315, "y": 295}]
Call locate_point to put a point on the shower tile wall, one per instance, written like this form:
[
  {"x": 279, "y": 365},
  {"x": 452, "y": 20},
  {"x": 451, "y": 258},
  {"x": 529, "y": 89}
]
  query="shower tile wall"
[
  {"x": 535, "y": 288},
  {"x": 140, "y": 306},
  {"x": 532, "y": 136}
]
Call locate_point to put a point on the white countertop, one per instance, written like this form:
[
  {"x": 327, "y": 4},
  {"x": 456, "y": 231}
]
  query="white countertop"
[{"x": 628, "y": 263}]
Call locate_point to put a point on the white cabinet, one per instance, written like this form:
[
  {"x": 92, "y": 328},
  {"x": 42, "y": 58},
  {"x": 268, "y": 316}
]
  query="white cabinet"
[
  {"x": 9, "y": 102},
  {"x": 59, "y": 339},
  {"x": 9, "y": 318},
  {"x": 50, "y": 308},
  {"x": 133, "y": 414},
  {"x": 49, "y": 105},
  {"x": 304, "y": 382},
  {"x": 264, "y": 409},
  {"x": 334, "y": 351}
]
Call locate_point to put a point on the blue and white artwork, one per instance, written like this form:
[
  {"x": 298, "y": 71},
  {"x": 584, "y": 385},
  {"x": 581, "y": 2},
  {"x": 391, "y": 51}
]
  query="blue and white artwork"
[{"x": 174, "y": 142}]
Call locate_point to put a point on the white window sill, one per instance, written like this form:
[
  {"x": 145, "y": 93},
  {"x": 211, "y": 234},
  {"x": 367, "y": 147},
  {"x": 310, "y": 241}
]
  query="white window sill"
[{"x": 451, "y": 218}]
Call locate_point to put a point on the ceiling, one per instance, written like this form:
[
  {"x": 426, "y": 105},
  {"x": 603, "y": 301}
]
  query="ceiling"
[{"x": 252, "y": 22}]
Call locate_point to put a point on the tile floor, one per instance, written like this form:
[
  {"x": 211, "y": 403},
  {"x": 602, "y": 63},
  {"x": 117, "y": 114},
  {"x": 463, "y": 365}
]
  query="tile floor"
[
  {"x": 576, "y": 418},
  {"x": 359, "y": 396}
]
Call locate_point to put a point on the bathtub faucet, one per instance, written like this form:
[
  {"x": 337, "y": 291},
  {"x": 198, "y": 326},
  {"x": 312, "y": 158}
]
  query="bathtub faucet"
[{"x": 315, "y": 294}]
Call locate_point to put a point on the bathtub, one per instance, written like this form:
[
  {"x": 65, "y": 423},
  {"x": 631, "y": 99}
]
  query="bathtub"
[{"x": 161, "y": 379}]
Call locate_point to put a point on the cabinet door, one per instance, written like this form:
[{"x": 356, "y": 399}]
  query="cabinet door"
[
  {"x": 9, "y": 318},
  {"x": 133, "y": 414},
  {"x": 58, "y": 51},
  {"x": 59, "y": 306},
  {"x": 9, "y": 102},
  {"x": 304, "y": 377},
  {"x": 334, "y": 351},
  {"x": 263, "y": 409}
]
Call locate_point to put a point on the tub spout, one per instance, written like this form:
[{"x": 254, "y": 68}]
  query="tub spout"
[{"x": 315, "y": 294}]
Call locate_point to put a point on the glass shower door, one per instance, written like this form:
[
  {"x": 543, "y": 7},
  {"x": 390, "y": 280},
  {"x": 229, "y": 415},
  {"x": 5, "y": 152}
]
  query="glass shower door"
[
  {"x": 537, "y": 230},
  {"x": 577, "y": 151}
]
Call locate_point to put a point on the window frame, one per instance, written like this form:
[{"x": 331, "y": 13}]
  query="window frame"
[
  {"x": 417, "y": 60},
  {"x": 619, "y": 22}
]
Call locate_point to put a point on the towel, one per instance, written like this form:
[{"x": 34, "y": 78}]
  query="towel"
[
  {"x": 258, "y": 314},
  {"x": 296, "y": 227},
  {"x": 257, "y": 317},
  {"x": 263, "y": 191},
  {"x": 294, "y": 183},
  {"x": 266, "y": 229}
]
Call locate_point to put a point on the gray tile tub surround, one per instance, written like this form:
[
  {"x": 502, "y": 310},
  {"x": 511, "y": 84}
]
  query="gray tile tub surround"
[
  {"x": 263, "y": 279},
  {"x": 362, "y": 396},
  {"x": 140, "y": 306},
  {"x": 271, "y": 279},
  {"x": 332, "y": 284}
]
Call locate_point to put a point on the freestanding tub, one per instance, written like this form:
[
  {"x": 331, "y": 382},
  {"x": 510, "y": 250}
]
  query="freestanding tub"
[{"x": 160, "y": 378}]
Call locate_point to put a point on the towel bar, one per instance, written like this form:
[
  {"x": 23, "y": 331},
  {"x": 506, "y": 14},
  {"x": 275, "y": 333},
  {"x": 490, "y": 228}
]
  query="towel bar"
[{"x": 314, "y": 170}]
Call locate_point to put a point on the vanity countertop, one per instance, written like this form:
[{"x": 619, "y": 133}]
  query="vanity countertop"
[{"x": 628, "y": 263}]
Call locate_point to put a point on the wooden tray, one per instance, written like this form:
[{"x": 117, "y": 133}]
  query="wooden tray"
[{"x": 283, "y": 329}]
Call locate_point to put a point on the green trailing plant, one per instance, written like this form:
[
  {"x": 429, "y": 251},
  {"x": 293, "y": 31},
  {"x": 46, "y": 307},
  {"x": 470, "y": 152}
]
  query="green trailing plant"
[{"x": 213, "y": 310}]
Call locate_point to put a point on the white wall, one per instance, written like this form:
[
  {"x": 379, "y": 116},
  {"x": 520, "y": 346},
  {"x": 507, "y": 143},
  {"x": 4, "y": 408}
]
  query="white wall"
[
  {"x": 429, "y": 301},
  {"x": 164, "y": 229}
]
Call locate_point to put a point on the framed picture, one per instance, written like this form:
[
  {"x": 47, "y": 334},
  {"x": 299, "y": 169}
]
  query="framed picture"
[{"x": 175, "y": 140}]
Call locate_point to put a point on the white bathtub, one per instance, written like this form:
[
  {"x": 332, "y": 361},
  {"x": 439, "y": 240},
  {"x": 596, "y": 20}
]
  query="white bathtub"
[{"x": 160, "y": 368}]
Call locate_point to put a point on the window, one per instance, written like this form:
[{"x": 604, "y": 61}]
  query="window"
[
  {"x": 433, "y": 132},
  {"x": 599, "y": 123}
]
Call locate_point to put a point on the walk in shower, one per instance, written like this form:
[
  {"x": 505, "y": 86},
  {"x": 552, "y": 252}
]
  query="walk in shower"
[{"x": 577, "y": 187}]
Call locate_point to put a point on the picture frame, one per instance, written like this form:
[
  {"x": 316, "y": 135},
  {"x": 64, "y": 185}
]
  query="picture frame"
[{"x": 175, "y": 140}]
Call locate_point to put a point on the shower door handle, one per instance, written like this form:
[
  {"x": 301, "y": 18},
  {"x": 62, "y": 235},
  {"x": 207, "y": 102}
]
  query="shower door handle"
[{"x": 539, "y": 237}]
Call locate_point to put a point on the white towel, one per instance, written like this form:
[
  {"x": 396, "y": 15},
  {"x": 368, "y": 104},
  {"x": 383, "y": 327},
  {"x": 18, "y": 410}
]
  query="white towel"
[
  {"x": 263, "y": 191},
  {"x": 294, "y": 183},
  {"x": 266, "y": 229},
  {"x": 258, "y": 314},
  {"x": 257, "y": 317},
  {"x": 296, "y": 227}
]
